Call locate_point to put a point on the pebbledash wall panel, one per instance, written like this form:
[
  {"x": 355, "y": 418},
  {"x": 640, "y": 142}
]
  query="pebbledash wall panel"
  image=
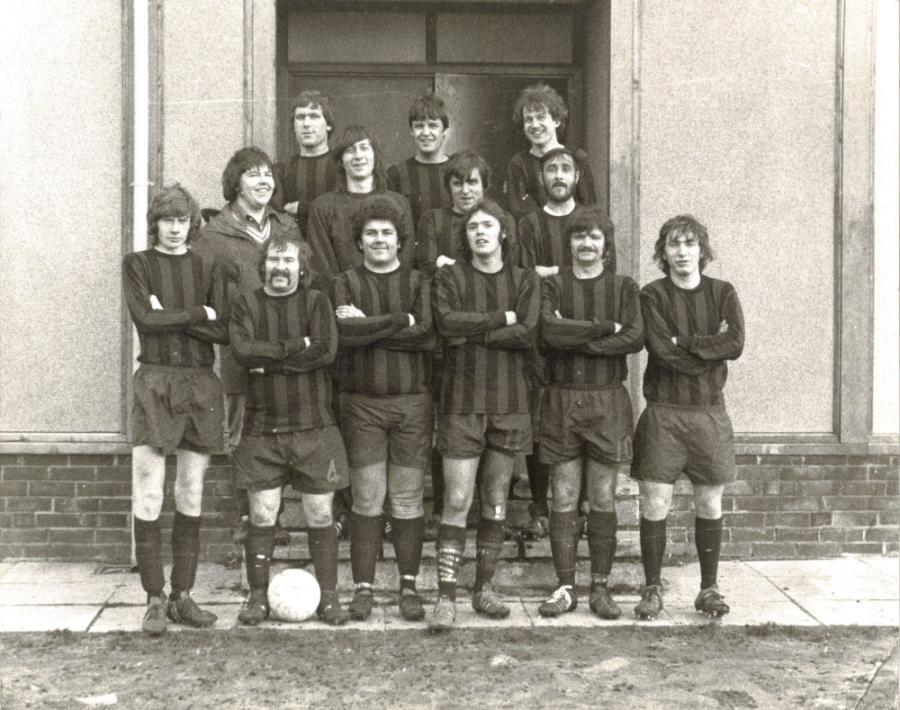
[
  {"x": 61, "y": 343},
  {"x": 203, "y": 71},
  {"x": 738, "y": 128}
]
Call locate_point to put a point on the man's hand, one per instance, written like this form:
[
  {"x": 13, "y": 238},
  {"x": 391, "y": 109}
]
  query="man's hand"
[
  {"x": 210, "y": 313},
  {"x": 412, "y": 320},
  {"x": 511, "y": 318},
  {"x": 444, "y": 261},
  {"x": 557, "y": 314},
  {"x": 617, "y": 328},
  {"x": 723, "y": 326},
  {"x": 257, "y": 371},
  {"x": 307, "y": 341},
  {"x": 350, "y": 311},
  {"x": 674, "y": 340},
  {"x": 291, "y": 207},
  {"x": 154, "y": 303}
]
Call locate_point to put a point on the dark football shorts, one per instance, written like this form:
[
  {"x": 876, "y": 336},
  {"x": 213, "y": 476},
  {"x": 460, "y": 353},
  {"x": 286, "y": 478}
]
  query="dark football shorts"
[
  {"x": 177, "y": 408},
  {"x": 396, "y": 429},
  {"x": 312, "y": 461},
  {"x": 596, "y": 423},
  {"x": 465, "y": 436},
  {"x": 670, "y": 440}
]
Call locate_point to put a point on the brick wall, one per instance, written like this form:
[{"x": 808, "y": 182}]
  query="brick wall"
[{"x": 77, "y": 507}]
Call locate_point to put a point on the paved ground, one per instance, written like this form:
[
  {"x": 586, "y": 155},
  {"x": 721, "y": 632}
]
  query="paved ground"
[{"x": 851, "y": 590}]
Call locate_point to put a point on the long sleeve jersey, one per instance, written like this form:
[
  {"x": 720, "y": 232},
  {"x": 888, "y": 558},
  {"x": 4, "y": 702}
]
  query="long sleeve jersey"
[
  {"x": 179, "y": 335},
  {"x": 443, "y": 232},
  {"x": 420, "y": 183},
  {"x": 693, "y": 372},
  {"x": 381, "y": 354},
  {"x": 526, "y": 185},
  {"x": 484, "y": 359},
  {"x": 581, "y": 347},
  {"x": 294, "y": 391},
  {"x": 302, "y": 179},
  {"x": 330, "y": 231}
]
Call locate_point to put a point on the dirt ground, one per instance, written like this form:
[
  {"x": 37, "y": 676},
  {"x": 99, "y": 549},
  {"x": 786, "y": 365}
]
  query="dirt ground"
[{"x": 697, "y": 668}]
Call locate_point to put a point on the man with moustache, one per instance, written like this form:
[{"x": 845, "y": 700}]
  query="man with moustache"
[
  {"x": 284, "y": 334},
  {"x": 177, "y": 302},
  {"x": 310, "y": 172},
  {"x": 384, "y": 322},
  {"x": 590, "y": 320},
  {"x": 486, "y": 310},
  {"x": 236, "y": 237},
  {"x": 694, "y": 325},
  {"x": 358, "y": 158}
]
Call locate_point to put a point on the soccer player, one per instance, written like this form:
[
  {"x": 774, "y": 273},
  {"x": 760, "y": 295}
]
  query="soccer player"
[
  {"x": 384, "y": 324},
  {"x": 236, "y": 237},
  {"x": 285, "y": 335},
  {"x": 590, "y": 320},
  {"x": 486, "y": 310},
  {"x": 420, "y": 179},
  {"x": 177, "y": 302},
  {"x": 542, "y": 114},
  {"x": 310, "y": 172},
  {"x": 693, "y": 325},
  {"x": 330, "y": 233}
]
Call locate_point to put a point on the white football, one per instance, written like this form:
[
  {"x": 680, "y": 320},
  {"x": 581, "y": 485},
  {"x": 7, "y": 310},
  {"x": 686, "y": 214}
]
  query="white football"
[{"x": 293, "y": 595}]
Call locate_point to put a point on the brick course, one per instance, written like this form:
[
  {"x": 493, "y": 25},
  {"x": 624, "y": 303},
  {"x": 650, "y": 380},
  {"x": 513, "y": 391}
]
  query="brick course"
[{"x": 77, "y": 507}]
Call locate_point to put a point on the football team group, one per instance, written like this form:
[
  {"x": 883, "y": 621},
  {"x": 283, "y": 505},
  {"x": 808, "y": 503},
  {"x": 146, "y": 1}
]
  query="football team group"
[{"x": 373, "y": 324}]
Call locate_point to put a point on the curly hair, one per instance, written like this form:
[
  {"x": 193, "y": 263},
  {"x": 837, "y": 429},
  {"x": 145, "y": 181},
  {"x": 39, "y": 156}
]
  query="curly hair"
[
  {"x": 316, "y": 99},
  {"x": 378, "y": 207},
  {"x": 351, "y": 136},
  {"x": 172, "y": 201},
  {"x": 540, "y": 96},
  {"x": 239, "y": 163},
  {"x": 683, "y": 224},
  {"x": 461, "y": 165},
  {"x": 429, "y": 106}
]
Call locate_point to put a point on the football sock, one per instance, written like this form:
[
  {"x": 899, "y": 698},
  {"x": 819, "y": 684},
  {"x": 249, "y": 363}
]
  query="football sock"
[
  {"x": 323, "y": 548},
  {"x": 147, "y": 550},
  {"x": 365, "y": 543},
  {"x": 488, "y": 544},
  {"x": 653, "y": 547},
  {"x": 451, "y": 545},
  {"x": 257, "y": 554},
  {"x": 563, "y": 542},
  {"x": 538, "y": 481},
  {"x": 185, "y": 552},
  {"x": 602, "y": 541},
  {"x": 437, "y": 482},
  {"x": 708, "y": 537},
  {"x": 408, "y": 537}
]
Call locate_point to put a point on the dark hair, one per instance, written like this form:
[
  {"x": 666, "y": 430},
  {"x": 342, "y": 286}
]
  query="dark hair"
[
  {"x": 172, "y": 201},
  {"x": 539, "y": 96},
  {"x": 586, "y": 219},
  {"x": 488, "y": 206},
  {"x": 239, "y": 163},
  {"x": 677, "y": 226},
  {"x": 462, "y": 164},
  {"x": 280, "y": 242},
  {"x": 378, "y": 207},
  {"x": 429, "y": 106},
  {"x": 352, "y": 135},
  {"x": 315, "y": 98},
  {"x": 555, "y": 153}
]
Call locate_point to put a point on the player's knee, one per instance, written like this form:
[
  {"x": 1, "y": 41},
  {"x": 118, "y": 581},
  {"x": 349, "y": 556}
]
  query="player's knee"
[
  {"x": 367, "y": 500},
  {"x": 456, "y": 502},
  {"x": 188, "y": 497},
  {"x": 708, "y": 503},
  {"x": 262, "y": 512},
  {"x": 655, "y": 505},
  {"x": 147, "y": 503},
  {"x": 603, "y": 501},
  {"x": 493, "y": 512},
  {"x": 318, "y": 511},
  {"x": 407, "y": 507}
]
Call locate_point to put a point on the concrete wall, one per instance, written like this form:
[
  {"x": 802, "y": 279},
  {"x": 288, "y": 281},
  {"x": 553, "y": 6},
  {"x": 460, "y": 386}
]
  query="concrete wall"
[
  {"x": 737, "y": 127},
  {"x": 61, "y": 346}
]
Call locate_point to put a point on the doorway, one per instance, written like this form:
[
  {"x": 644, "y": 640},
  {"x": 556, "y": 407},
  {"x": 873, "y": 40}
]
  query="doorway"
[{"x": 374, "y": 59}]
